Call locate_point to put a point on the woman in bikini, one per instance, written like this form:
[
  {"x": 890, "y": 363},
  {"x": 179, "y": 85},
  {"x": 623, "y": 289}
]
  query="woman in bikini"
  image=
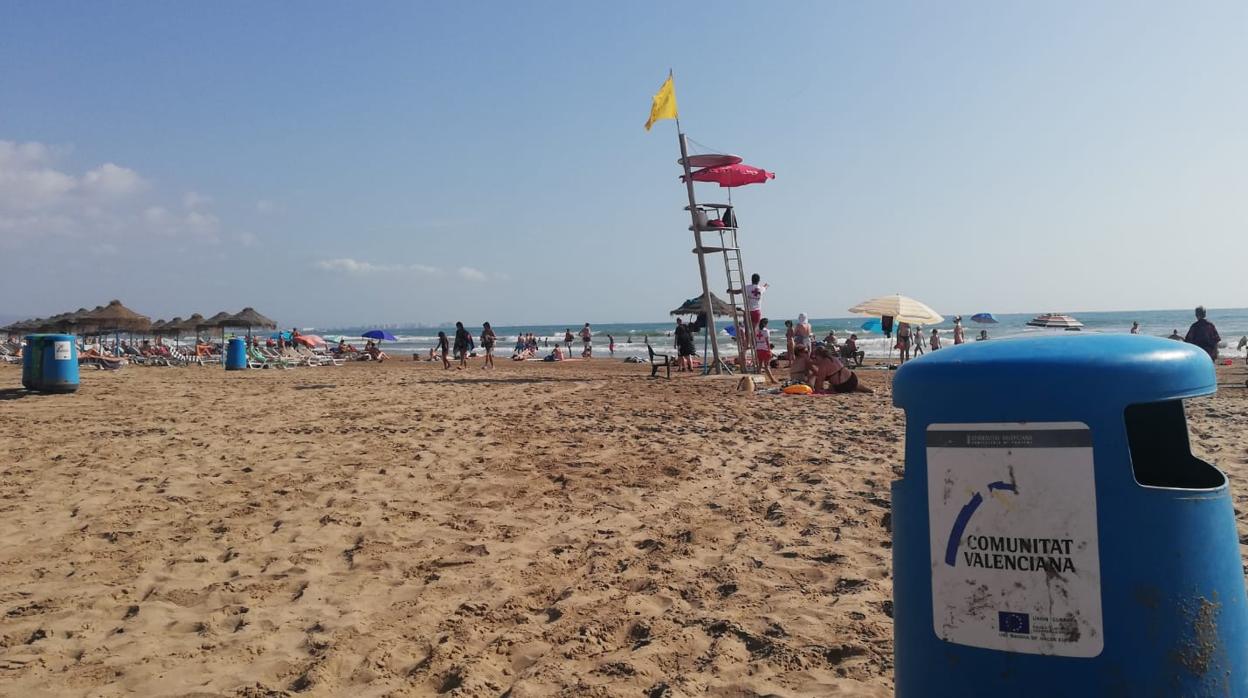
[{"x": 826, "y": 368}]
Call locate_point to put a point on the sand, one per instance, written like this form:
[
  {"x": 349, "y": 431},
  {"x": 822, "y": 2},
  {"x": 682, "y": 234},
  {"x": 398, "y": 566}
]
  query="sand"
[{"x": 396, "y": 529}]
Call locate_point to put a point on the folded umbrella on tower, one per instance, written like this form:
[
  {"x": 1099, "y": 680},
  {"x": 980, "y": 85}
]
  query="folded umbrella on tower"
[{"x": 736, "y": 175}]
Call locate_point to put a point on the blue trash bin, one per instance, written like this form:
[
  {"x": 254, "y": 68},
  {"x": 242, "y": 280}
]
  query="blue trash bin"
[
  {"x": 1053, "y": 534},
  {"x": 50, "y": 363},
  {"x": 236, "y": 354}
]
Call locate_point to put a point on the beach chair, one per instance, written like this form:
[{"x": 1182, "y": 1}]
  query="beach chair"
[{"x": 655, "y": 364}]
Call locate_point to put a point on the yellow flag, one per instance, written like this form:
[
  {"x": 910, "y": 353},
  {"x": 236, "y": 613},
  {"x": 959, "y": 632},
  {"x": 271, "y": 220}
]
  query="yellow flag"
[{"x": 664, "y": 104}]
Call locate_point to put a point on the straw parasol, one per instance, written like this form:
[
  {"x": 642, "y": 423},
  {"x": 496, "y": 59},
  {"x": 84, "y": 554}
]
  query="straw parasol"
[
  {"x": 192, "y": 324},
  {"x": 221, "y": 320},
  {"x": 249, "y": 318},
  {"x": 694, "y": 306},
  {"x": 118, "y": 318}
]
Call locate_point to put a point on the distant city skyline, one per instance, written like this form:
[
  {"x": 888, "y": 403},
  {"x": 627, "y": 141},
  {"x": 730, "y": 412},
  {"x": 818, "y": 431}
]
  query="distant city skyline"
[{"x": 337, "y": 166}]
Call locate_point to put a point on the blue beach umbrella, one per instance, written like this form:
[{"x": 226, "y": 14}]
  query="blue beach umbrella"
[
  {"x": 985, "y": 318},
  {"x": 380, "y": 335},
  {"x": 873, "y": 325},
  {"x": 280, "y": 335}
]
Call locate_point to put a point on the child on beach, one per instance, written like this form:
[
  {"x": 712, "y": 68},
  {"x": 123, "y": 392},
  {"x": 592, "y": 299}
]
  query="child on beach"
[
  {"x": 935, "y": 341},
  {"x": 487, "y": 344},
  {"x": 762, "y": 348},
  {"x": 444, "y": 346}
]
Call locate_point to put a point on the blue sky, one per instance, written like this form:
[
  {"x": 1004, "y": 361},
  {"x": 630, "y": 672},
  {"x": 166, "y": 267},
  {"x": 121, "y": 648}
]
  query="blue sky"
[{"x": 420, "y": 162}]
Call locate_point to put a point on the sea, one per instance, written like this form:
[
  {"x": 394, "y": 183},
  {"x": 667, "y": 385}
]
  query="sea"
[{"x": 630, "y": 338}]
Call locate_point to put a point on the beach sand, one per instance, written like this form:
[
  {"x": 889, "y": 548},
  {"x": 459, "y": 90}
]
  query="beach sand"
[{"x": 575, "y": 529}]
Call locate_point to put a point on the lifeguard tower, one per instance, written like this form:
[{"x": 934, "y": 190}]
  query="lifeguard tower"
[{"x": 720, "y": 220}]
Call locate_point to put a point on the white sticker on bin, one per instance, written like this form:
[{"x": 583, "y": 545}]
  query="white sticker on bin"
[
  {"x": 1015, "y": 562},
  {"x": 60, "y": 351}
]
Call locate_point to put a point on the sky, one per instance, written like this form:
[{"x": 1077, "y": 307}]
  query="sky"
[{"x": 345, "y": 164}]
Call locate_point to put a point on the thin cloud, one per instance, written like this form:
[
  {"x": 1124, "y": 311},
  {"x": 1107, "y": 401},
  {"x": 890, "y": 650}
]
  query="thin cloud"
[
  {"x": 471, "y": 274},
  {"x": 347, "y": 265}
]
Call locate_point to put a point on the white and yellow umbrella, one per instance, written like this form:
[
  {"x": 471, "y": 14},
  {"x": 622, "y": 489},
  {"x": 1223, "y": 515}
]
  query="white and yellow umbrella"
[{"x": 900, "y": 308}]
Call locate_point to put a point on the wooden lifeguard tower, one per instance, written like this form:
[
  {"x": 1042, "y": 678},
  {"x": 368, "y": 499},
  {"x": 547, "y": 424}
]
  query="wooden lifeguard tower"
[{"x": 720, "y": 220}]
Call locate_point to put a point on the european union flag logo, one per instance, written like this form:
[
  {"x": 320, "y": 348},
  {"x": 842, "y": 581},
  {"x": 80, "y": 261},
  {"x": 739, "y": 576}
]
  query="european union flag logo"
[{"x": 1019, "y": 623}]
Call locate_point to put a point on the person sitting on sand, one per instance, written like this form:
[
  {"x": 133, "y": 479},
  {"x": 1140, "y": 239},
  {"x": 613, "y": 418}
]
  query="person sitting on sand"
[
  {"x": 375, "y": 353},
  {"x": 830, "y": 341},
  {"x": 799, "y": 366},
  {"x": 556, "y": 355},
  {"x": 830, "y": 370},
  {"x": 851, "y": 351}
]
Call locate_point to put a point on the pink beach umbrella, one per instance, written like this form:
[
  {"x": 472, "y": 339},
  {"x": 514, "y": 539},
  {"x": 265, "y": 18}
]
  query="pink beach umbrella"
[{"x": 732, "y": 175}]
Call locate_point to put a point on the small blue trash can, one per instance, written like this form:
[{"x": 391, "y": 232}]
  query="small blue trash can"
[
  {"x": 236, "y": 354},
  {"x": 50, "y": 363},
  {"x": 1053, "y": 534}
]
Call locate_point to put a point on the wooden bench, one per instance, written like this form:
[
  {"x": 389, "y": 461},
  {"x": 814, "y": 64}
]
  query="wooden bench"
[{"x": 655, "y": 365}]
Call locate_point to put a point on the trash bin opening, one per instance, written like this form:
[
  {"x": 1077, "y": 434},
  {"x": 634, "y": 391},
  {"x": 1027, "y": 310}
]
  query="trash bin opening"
[{"x": 1161, "y": 454}]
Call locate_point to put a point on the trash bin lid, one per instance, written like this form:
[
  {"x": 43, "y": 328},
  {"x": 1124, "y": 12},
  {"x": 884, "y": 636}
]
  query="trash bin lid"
[{"x": 1111, "y": 369}]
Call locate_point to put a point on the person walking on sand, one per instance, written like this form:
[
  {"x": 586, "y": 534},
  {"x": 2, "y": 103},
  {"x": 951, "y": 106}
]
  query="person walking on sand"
[
  {"x": 935, "y": 343},
  {"x": 917, "y": 340},
  {"x": 903, "y": 341},
  {"x": 567, "y": 340},
  {"x": 462, "y": 340},
  {"x": 959, "y": 334},
  {"x": 610, "y": 345},
  {"x": 587, "y": 340},
  {"x": 487, "y": 344},
  {"x": 444, "y": 347},
  {"x": 1203, "y": 334},
  {"x": 762, "y": 348}
]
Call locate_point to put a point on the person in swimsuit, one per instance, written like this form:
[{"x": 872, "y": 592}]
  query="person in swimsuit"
[
  {"x": 959, "y": 334},
  {"x": 610, "y": 345},
  {"x": 462, "y": 340},
  {"x": 935, "y": 341},
  {"x": 799, "y": 367},
  {"x": 587, "y": 339},
  {"x": 850, "y": 350},
  {"x": 789, "y": 342},
  {"x": 803, "y": 333},
  {"x": 444, "y": 347},
  {"x": 903, "y": 341},
  {"x": 829, "y": 369},
  {"x": 762, "y": 347},
  {"x": 487, "y": 344}
]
